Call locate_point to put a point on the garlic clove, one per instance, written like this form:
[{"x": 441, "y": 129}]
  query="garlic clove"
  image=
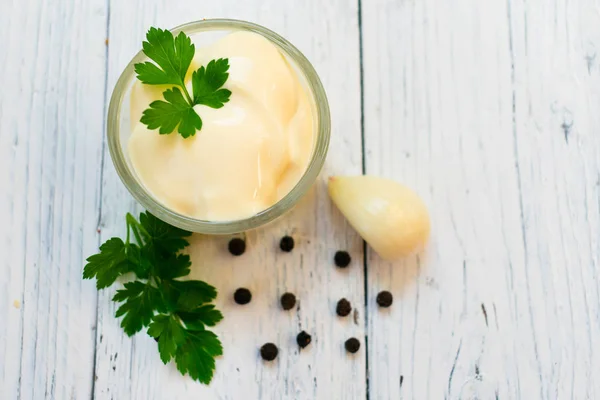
[{"x": 390, "y": 217}]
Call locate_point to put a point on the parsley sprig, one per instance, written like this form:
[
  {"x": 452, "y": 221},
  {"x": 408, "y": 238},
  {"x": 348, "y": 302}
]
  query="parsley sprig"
[
  {"x": 173, "y": 56},
  {"x": 176, "y": 312}
]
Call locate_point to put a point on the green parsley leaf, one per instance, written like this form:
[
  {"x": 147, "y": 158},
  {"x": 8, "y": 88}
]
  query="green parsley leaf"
[
  {"x": 207, "y": 83},
  {"x": 196, "y": 356},
  {"x": 173, "y": 56},
  {"x": 176, "y": 313},
  {"x": 186, "y": 295},
  {"x": 173, "y": 266},
  {"x": 201, "y": 317},
  {"x": 170, "y": 335},
  {"x": 172, "y": 113},
  {"x": 115, "y": 259},
  {"x": 141, "y": 300},
  {"x": 168, "y": 238},
  {"x": 141, "y": 263},
  {"x": 194, "y": 352},
  {"x": 193, "y": 294}
]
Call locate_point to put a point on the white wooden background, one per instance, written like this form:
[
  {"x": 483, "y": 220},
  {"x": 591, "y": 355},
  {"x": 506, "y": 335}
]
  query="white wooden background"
[{"x": 489, "y": 109}]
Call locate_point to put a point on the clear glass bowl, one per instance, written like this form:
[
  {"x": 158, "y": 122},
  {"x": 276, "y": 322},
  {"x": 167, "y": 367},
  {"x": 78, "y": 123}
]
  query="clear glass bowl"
[{"x": 119, "y": 129}]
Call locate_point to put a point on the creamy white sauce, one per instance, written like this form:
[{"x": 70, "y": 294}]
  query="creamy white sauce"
[{"x": 248, "y": 155}]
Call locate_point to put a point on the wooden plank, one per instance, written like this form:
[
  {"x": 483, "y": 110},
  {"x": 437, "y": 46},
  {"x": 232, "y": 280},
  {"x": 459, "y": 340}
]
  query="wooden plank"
[
  {"x": 52, "y": 69},
  {"x": 558, "y": 148},
  {"x": 488, "y": 110},
  {"x": 327, "y": 32}
]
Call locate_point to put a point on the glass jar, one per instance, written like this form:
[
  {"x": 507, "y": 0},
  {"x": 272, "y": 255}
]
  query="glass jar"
[{"x": 119, "y": 129}]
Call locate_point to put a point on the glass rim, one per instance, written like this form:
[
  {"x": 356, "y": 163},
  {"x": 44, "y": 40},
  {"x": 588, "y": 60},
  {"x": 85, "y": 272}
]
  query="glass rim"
[{"x": 321, "y": 125}]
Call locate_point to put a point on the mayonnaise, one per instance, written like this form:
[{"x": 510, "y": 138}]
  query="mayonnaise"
[{"x": 248, "y": 155}]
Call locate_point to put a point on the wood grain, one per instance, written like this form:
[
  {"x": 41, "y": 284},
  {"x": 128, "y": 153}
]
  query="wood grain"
[
  {"x": 489, "y": 110},
  {"x": 51, "y": 130},
  {"x": 130, "y": 368}
]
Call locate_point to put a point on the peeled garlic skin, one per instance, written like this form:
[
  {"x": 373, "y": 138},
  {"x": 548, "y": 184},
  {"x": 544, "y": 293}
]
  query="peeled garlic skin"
[{"x": 390, "y": 217}]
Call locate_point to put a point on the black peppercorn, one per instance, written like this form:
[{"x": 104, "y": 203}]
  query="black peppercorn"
[
  {"x": 286, "y": 244},
  {"x": 385, "y": 299},
  {"x": 343, "y": 308},
  {"x": 242, "y": 296},
  {"x": 237, "y": 246},
  {"x": 352, "y": 345},
  {"x": 303, "y": 339},
  {"x": 288, "y": 301},
  {"x": 269, "y": 352},
  {"x": 342, "y": 259}
]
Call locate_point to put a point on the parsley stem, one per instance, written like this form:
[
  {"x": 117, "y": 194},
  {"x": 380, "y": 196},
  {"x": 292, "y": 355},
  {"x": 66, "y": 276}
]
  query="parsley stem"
[
  {"x": 135, "y": 226},
  {"x": 187, "y": 94},
  {"x": 127, "y": 238},
  {"x": 137, "y": 235}
]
